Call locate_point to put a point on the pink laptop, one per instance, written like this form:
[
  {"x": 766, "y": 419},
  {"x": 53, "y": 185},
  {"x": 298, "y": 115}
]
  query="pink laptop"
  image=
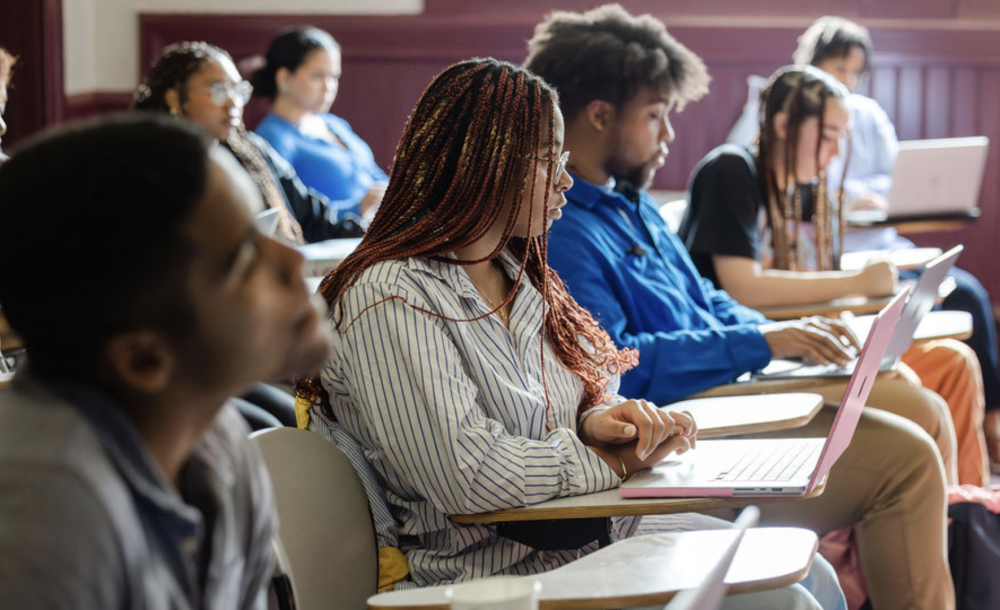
[{"x": 771, "y": 467}]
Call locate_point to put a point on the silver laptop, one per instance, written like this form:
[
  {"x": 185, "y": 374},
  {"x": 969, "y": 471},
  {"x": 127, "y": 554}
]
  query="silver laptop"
[
  {"x": 933, "y": 178},
  {"x": 771, "y": 467},
  {"x": 921, "y": 301},
  {"x": 711, "y": 592}
]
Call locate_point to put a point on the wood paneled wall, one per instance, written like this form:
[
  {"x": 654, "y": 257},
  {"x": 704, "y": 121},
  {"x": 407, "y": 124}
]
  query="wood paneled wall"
[{"x": 935, "y": 78}]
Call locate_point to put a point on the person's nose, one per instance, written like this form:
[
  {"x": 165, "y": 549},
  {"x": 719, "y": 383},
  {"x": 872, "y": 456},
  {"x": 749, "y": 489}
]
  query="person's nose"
[
  {"x": 667, "y": 130},
  {"x": 565, "y": 182}
]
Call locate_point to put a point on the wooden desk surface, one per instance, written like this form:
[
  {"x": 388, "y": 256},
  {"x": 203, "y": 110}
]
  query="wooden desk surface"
[
  {"x": 611, "y": 504},
  {"x": 750, "y": 414},
  {"x": 647, "y": 570}
]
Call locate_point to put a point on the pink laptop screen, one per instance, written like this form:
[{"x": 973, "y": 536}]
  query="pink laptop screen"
[{"x": 859, "y": 386}]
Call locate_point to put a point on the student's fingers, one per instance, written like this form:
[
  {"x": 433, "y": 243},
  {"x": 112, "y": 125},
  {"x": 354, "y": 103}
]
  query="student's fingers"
[
  {"x": 827, "y": 346},
  {"x": 661, "y": 424},
  {"x": 683, "y": 423},
  {"x": 839, "y": 329},
  {"x": 633, "y": 411},
  {"x": 609, "y": 426},
  {"x": 679, "y": 443}
]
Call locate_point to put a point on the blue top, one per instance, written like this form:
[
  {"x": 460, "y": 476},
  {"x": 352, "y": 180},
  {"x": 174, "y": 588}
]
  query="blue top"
[
  {"x": 690, "y": 336},
  {"x": 344, "y": 175}
]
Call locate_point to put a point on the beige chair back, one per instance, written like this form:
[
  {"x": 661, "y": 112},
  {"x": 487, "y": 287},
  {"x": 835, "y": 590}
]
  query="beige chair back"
[{"x": 326, "y": 527}]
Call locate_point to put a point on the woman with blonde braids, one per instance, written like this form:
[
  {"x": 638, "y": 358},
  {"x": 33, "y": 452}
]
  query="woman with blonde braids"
[{"x": 762, "y": 226}]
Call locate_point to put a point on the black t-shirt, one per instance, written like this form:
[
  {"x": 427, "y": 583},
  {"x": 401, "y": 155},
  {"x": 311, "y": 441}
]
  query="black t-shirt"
[{"x": 724, "y": 202}]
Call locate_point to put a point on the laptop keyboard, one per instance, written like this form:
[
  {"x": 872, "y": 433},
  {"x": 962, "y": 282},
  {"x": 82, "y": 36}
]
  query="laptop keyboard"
[{"x": 771, "y": 462}]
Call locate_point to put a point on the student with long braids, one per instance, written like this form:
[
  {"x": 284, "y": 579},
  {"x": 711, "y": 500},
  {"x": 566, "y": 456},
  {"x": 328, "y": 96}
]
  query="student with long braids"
[
  {"x": 844, "y": 48},
  {"x": 763, "y": 228},
  {"x": 199, "y": 81},
  {"x": 469, "y": 376}
]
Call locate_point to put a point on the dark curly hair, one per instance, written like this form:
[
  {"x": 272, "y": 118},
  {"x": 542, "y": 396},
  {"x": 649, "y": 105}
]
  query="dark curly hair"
[
  {"x": 173, "y": 69},
  {"x": 134, "y": 272},
  {"x": 610, "y": 55},
  {"x": 832, "y": 38}
]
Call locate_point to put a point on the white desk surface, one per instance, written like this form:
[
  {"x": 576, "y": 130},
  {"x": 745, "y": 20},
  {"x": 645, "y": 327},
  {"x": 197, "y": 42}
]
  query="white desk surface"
[
  {"x": 647, "y": 570},
  {"x": 935, "y": 325},
  {"x": 903, "y": 258},
  {"x": 750, "y": 414},
  {"x": 322, "y": 257}
]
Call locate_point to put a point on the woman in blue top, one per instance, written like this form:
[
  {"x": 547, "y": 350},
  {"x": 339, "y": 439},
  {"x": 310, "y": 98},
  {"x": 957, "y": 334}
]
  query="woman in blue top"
[{"x": 302, "y": 77}]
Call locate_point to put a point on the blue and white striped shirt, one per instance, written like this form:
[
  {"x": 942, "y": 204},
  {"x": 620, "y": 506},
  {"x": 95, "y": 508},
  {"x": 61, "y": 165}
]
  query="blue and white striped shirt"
[{"x": 452, "y": 415}]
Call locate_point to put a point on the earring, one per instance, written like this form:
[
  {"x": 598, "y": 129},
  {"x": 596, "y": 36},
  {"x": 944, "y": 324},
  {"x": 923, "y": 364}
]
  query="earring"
[
  {"x": 283, "y": 89},
  {"x": 174, "y": 111}
]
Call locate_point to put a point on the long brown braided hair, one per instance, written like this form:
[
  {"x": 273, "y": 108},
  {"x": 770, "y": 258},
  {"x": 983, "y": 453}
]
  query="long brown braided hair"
[
  {"x": 801, "y": 92},
  {"x": 463, "y": 154}
]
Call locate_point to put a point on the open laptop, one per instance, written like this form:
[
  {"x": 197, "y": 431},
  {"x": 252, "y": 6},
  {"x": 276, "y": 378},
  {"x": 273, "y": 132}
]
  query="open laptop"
[
  {"x": 711, "y": 592},
  {"x": 771, "y": 467},
  {"x": 921, "y": 301},
  {"x": 932, "y": 178}
]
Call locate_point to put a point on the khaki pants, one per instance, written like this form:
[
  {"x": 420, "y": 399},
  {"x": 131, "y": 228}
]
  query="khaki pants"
[
  {"x": 900, "y": 393},
  {"x": 889, "y": 485}
]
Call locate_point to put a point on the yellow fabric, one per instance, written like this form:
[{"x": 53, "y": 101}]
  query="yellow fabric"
[
  {"x": 302, "y": 407},
  {"x": 392, "y": 568},
  {"x": 392, "y": 565}
]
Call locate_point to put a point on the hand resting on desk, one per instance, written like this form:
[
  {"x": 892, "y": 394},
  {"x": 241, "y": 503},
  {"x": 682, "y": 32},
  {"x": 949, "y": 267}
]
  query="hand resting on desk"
[{"x": 637, "y": 434}]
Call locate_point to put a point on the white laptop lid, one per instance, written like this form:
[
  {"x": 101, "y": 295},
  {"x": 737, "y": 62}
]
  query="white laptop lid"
[
  {"x": 921, "y": 301},
  {"x": 937, "y": 176},
  {"x": 712, "y": 591},
  {"x": 267, "y": 221}
]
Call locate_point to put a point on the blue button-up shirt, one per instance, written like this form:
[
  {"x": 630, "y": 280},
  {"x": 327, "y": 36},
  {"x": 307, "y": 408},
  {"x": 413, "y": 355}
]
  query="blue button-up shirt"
[{"x": 690, "y": 336}]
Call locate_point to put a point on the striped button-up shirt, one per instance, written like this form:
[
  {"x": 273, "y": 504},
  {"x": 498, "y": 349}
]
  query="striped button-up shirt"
[{"x": 452, "y": 414}]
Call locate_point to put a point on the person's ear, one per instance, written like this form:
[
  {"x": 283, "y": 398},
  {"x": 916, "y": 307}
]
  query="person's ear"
[
  {"x": 172, "y": 98},
  {"x": 282, "y": 78},
  {"x": 780, "y": 122},
  {"x": 141, "y": 360},
  {"x": 600, "y": 115}
]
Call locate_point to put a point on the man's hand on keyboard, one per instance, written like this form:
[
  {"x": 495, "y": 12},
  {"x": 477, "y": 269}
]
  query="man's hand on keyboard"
[{"x": 820, "y": 340}]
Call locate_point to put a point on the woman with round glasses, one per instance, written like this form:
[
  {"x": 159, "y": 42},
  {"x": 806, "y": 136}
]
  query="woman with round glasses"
[
  {"x": 199, "y": 81},
  {"x": 301, "y": 77}
]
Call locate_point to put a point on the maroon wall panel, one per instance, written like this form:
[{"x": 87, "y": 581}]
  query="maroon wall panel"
[
  {"x": 933, "y": 82},
  {"x": 32, "y": 30}
]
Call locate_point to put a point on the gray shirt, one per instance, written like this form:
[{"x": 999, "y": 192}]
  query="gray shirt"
[{"x": 87, "y": 519}]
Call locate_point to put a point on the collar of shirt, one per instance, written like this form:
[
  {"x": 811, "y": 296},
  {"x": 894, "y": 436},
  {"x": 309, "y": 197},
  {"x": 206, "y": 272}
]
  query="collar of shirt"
[
  {"x": 207, "y": 477},
  {"x": 527, "y": 310}
]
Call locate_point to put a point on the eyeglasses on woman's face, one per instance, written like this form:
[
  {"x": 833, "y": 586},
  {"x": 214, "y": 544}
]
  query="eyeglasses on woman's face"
[
  {"x": 560, "y": 165},
  {"x": 222, "y": 91}
]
